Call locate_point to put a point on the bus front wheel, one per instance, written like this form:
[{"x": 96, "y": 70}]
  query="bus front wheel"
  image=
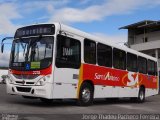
[{"x": 85, "y": 95}]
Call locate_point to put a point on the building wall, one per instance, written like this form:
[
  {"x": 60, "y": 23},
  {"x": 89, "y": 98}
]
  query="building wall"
[
  {"x": 153, "y": 36},
  {"x": 136, "y": 42},
  {"x": 146, "y": 46}
]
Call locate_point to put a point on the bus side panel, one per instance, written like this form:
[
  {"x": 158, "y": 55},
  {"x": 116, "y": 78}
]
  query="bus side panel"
[
  {"x": 111, "y": 82},
  {"x": 151, "y": 84},
  {"x": 64, "y": 91},
  {"x": 65, "y": 82},
  {"x": 112, "y": 92},
  {"x": 101, "y": 91},
  {"x": 148, "y": 81},
  {"x": 150, "y": 92},
  {"x": 128, "y": 92}
]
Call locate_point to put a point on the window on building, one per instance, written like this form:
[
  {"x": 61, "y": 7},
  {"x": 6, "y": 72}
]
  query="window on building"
[
  {"x": 68, "y": 52},
  {"x": 145, "y": 39},
  {"x": 89, "y": 51},
  {"x": 131, "y": 62},
  {"x": 119, "y": 59},
  {"x": 153, "y": 55},
  {"x": 151, "y": 67},
  {"x": 142, "y": 65},
  {"x": 104, "y": 55}
]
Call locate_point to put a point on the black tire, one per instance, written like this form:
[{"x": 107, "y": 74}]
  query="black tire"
[
  {"x": 141, "y": 95},
  {"x": 85, "y": 95},
  {"x": 46, "y": 101}
]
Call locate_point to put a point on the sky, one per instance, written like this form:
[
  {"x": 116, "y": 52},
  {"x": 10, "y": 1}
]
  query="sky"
[{"x": 102, "y": 18}]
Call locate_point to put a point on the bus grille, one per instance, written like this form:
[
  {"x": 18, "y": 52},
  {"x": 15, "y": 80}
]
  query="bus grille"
[
  {"x": 25, "y": 76},
  {"x": 27, "y": 83},
  {"x": 22, "y": 89}
]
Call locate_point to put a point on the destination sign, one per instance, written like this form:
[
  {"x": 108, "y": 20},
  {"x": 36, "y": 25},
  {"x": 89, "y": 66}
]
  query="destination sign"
[{"x": 34, "y": 30}]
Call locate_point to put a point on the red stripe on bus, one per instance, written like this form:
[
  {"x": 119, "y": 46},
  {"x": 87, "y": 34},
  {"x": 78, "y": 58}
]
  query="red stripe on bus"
[
  {"x": 45, "y": 71},
  {"x": 115, "y": 77}
]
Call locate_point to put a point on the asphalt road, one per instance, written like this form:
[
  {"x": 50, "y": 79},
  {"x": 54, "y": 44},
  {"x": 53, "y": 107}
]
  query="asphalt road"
[{"x": 33, "y": 109}]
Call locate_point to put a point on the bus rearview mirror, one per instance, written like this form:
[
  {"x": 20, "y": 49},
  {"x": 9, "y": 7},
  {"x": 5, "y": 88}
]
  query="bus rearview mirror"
[{"x": 2, "y": 48}]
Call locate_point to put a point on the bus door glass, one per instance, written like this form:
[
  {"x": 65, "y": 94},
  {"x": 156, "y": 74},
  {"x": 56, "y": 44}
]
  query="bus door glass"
[{"x": 68, "y": 61}]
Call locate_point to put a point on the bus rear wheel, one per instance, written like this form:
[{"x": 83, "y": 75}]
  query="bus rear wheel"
[
  {"x": 141, "y": 95},
  {"x": 85, "y": 95}
]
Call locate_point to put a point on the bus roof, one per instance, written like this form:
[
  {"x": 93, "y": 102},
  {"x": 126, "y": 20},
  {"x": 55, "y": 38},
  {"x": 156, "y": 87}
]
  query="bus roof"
[
  {"x": 101, "y": 40},
  {"x": 97, "y": 39}
]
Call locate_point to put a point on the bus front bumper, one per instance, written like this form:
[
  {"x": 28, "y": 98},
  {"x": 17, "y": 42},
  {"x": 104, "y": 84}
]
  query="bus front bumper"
[{"x": 32, "y": 91}]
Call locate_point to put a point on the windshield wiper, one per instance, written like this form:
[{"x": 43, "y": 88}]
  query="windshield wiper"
[
  {"x": 30, "y": 45},
  {"x": 24, "y": 50}
]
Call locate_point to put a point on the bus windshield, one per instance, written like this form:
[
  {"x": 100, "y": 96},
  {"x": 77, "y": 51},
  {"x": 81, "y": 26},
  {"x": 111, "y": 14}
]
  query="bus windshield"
[{"x": 32, "y": 53}]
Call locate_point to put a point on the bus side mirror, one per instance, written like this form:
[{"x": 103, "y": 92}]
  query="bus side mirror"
[
  {"x": 2, "y": 48},
  {"x": 2, "y": 43}
]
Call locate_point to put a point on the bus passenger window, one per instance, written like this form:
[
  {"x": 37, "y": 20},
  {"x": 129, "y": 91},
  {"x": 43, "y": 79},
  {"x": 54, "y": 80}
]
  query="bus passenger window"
[
  {"x": 156, "y": 69},
  {"x": 131, "y": 62},
  {"x": 119, "y": 59},
  {"x": 151, "y": 67},
  {"x": 142, "y": 65},
  {"x": 68, "y": 52},
  {"x": 104, "y": 55},
  {"x": 89, "y": 51}
]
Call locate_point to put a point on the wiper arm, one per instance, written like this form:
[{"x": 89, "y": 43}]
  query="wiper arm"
[
  {"x": 24, "y": 50},
  {"x": 35, "y": 41},
  {"x": 21, "y": 41},
  {"x": 23, "y": 46},
  {"x": 31, "y": 44}
]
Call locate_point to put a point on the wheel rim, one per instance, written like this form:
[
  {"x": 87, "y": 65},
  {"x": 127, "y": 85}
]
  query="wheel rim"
[
  {"x": 141, "y": 95},
  {"x": 86, "y": 95}
]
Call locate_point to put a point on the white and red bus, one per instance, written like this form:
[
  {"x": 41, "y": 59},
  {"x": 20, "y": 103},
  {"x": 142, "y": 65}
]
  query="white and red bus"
[{"x": 55, "y": 61}]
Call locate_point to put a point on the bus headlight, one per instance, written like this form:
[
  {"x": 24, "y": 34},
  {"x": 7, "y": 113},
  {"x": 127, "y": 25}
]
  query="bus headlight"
[{"x": 42, "y": 81}]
